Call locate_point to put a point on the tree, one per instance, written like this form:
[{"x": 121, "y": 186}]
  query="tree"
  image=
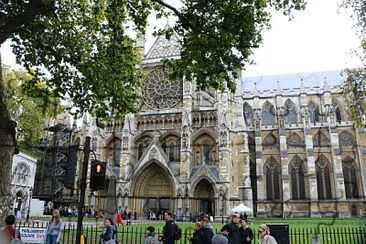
[
  {"x": 82, "y": 48},
  {"x": 355, "y": 85},
  {"x": 24, "y": 108}
]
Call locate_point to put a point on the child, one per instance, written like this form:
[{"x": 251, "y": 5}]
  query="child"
[
  {"x": 8, "y": 233},
  {"x": 150, "y": 236}
]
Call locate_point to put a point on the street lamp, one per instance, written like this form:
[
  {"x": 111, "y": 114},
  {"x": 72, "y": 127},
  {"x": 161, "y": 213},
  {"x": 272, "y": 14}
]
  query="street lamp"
[{"x": 29, "y": 203}]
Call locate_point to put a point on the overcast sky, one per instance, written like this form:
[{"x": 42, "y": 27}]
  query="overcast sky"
[{"x": 318, "y": 39}]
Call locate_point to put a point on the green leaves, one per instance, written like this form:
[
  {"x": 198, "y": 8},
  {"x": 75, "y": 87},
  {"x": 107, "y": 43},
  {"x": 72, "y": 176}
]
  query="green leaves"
[
  {"x": 28, "y": 107},
  {"x": 81, "y": 50}
]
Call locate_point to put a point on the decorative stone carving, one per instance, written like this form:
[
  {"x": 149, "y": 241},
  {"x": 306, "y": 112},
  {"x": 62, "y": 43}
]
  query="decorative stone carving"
[
  {"x": 125, "y": 139},
  {"x": 223, "y": 135},
  {"x": 185, "y": 137}
]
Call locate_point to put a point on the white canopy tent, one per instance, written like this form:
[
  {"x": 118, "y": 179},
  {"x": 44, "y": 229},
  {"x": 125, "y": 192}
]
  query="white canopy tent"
[{"x": 241, "y": 208}]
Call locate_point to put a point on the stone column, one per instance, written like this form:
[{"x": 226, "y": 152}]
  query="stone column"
[{"x": 340, "y": 192}]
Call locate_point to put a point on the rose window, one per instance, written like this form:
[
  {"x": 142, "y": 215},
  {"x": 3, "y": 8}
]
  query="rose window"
[{"x": 160, "y": 92}]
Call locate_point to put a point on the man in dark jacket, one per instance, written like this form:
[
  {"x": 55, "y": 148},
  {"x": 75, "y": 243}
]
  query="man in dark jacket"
[
  {"x": 168, "y": 229},
  {"x": 204, "y": 234},
  {"x": 234, "y": 235}
]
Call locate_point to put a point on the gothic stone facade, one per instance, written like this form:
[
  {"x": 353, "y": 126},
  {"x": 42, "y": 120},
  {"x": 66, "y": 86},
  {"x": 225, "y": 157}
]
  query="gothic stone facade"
[{"x": 283, "y": 152}]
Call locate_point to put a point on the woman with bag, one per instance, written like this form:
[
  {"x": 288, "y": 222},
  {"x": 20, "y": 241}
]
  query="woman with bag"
[
  {"x": 54, "y": 229},
  {"x": 108, "y": 232}
]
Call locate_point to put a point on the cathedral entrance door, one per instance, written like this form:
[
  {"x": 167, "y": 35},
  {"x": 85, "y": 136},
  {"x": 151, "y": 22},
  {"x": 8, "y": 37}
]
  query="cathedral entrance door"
[
  {"x": 204, "y": 198},
  {"x": 153, "y": 190}
]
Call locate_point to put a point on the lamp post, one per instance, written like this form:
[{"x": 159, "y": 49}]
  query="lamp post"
[{"x": 29, "y": 203}]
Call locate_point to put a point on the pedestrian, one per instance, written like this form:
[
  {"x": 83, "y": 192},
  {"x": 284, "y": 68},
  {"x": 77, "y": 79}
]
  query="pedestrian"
[
  {"x": 193, "y": 239},
  {"x": 204, "y": 234},
  {"x": 150, "y": 236},
  {"x": 264, "y": 235},
  {"x": 246, "y": 232},
  {"x": 168, "y": 229},
  {"x": 54, "y": 228},
  {"x": 107, "y": 237},
  {"x": 8, "y": 232},
  {"x": 223, "y": 236},
  {"x": 234, "y": 236},
  {"x": 119, "y": 218}
]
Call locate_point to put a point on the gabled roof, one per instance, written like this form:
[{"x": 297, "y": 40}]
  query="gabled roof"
[{"x": 164, "y": 48}]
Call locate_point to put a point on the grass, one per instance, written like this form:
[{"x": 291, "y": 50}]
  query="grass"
[{"x": 302, "y": 230}]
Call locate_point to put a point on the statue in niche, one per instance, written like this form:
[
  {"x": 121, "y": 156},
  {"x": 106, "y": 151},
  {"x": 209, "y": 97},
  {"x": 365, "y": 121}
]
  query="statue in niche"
[
  {"x": 198, "y": 158},
  {"x": 223, "y": 135},
  {"x": 185, "y": 137}
]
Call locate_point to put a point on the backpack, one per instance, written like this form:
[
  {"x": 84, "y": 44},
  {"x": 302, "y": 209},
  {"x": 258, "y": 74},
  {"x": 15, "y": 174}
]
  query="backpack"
[
  {"x": 177, "y": 232},
  {"x": 153, "y": 240}
]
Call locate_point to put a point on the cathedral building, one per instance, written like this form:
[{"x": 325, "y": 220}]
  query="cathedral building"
[{"x": 282, "y": 152}]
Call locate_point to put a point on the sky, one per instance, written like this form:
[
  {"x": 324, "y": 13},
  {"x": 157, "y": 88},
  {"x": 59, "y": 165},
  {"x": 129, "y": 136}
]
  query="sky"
[{"x": 320, "y": 38}]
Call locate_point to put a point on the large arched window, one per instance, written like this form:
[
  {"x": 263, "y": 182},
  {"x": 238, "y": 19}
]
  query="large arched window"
[
  {"x": 273, "y": 180},
  {"x": 297, "y": 178},
  {"x": 248, "y": 114},
  {"x": 350, "y": 178},
  {"x": 171, "y": 146},
  {"x": 205, "y": 150},
  {"x": 290, "y": 112},
  {"x": 268, "y": 114},
  {"x": 114, "y": 151},
  {"x": 313, "y": 112},
  {"x": 323, "y": 178}
]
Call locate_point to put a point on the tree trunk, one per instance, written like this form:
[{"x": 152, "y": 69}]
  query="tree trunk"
[{"x": 7, "y": 147}]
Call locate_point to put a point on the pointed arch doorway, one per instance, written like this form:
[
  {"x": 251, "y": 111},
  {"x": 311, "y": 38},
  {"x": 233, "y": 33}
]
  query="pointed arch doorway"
[
  {"x": 153, "y": 190},
  {"x": 204, "y": 197}
]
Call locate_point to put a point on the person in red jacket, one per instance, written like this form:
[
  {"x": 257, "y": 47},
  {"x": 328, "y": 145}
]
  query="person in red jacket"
[
  {"x": 8, "y": 232},
  {"x": 118, "y": 218}
]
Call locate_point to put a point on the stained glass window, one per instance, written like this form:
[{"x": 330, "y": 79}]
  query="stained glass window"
[
  {"x": 297, "y": 178},
  {"x": 323, "y": 178},
  {"x": 272, "y": 171},
  {"x": 290, "y": 112},
  {"x": 268, "y": 114}
]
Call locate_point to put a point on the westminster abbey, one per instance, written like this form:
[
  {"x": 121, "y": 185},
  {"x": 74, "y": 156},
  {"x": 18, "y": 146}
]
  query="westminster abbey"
[{"x": 286, "y": 152}]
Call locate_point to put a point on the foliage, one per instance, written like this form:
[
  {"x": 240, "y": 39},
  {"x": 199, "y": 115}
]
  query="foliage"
[
  {"x": 355, "y": 85},
  {"x": 83, "y": 47},
  {"x": 25, "y": 109}
]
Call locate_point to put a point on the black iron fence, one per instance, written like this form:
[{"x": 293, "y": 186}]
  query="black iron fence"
[{"x": 136, "y": 234}]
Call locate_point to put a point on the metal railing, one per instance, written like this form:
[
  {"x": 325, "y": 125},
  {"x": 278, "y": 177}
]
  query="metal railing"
[{"x": 136, "y": 234}]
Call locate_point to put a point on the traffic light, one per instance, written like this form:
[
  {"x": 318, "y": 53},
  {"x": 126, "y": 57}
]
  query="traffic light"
[{"x": 97, "y": 175}]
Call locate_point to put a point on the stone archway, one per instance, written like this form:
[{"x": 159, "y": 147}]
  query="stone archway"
[
  {"x": 204, "y": 197},
  {"x": 153, "y": 190}
]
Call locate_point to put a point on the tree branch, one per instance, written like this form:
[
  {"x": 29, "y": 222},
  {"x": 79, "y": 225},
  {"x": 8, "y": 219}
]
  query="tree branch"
[
  {"x": 176, "y": 12},
  {"x": 25, "y": 18}
]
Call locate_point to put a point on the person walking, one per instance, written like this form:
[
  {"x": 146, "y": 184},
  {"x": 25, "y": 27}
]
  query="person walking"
[
  {"x": 246, "y": 233},
  {"x": 54, "y": 228},
  {"x": 119, "y": 220},
  {"x": 264, "y": 235},
  {"x": 168, "y": 229},
  {"x": 234, "y": 236},
  {"x": 204, "y": 234},
  {"x": 9, "y": 233},
  {"x": 223, "y": 236},
  {"x": 107, "y": 237},
  {"x": 150, "y": 236}
]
